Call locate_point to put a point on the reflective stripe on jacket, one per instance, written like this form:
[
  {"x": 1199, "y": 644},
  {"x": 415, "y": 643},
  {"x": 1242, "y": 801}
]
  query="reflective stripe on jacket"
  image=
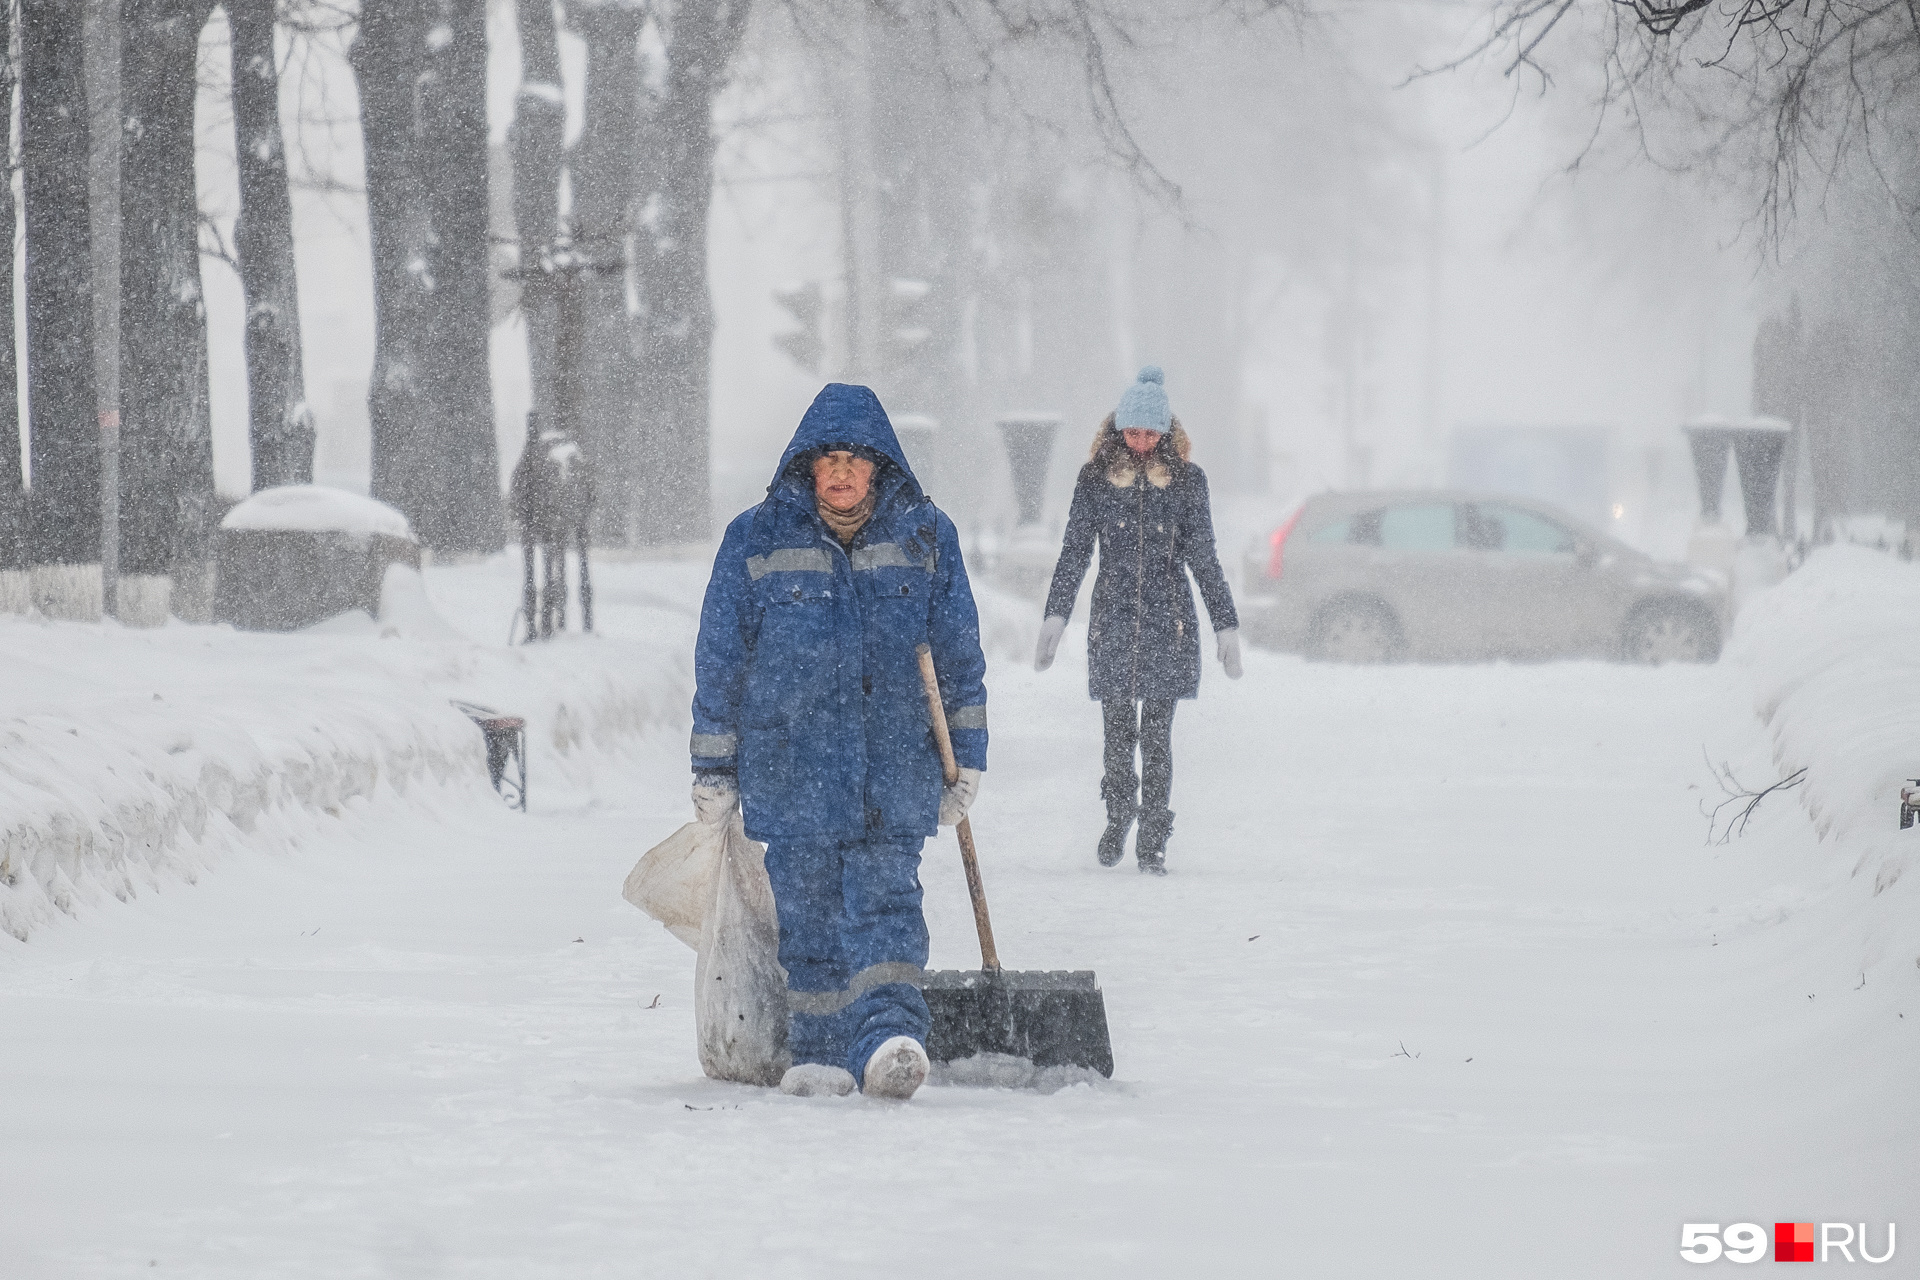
[{"x": 808, "y": 681}]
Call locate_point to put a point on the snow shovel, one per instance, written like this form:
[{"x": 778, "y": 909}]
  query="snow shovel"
[{"x": 1052, "y": 1019}]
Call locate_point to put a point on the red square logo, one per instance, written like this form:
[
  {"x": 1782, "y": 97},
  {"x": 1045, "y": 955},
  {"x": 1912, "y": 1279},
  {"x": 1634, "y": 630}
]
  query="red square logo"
[{"x": 1793, "y": 1242}]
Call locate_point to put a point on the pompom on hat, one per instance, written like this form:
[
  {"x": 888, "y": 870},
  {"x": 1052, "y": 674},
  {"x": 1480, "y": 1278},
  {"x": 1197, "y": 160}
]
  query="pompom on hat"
[{"x": 1144, "y": 404}]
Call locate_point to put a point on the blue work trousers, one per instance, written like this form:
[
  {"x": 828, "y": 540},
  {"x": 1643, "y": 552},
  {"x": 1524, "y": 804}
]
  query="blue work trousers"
[{"x": 854, "y": 944}]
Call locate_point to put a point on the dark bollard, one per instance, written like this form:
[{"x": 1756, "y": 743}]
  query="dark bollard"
[
  {"x": 1029, "y": 443},
  {"x": 529, "y": 593},
  {"x": 1757, "y": 451},
  {"x": 1710, "y": 444}
]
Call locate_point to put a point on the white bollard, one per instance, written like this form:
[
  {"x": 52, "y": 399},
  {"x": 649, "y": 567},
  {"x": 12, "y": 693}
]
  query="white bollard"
[
  {"x": 145, "y": 600},
  {"x": 193, "y": 594},
  {"x": 66, "y": 592}
]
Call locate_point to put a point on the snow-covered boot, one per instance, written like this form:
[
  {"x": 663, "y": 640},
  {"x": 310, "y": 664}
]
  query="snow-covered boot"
[
  {"x": 896, "y": 1069},
  {"x": 1113, "y": 841},
  {"x": 816, "y": 1080},
  {"x": 1151, "y": 848}
]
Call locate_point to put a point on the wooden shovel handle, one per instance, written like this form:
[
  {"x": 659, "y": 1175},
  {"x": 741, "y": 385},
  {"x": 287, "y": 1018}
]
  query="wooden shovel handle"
[{"x": 982, "y": 923}]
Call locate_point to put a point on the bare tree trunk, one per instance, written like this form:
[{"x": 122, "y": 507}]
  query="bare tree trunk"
[
  {"x": 673, "y": 502},
  {"x": 166, "y": 467},
  {"x": 420, "y": 65},
  {"x": 389, "y": 57},
  {"x": 923, "y": 168},
  {"x": 280, "y": 429},
  {"x": 13, "y": 492},
  {"x": 64, "y": 503},
  {"x": 538, "y": 141},
  {"x": 460, "y": 324},
  {"x": 606, "y": 181}
]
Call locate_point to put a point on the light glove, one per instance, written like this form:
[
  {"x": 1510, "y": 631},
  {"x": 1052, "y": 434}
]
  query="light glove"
[
  {"x": 1228, "y": 641},
  {"x": 714, "y": 800},
  {"x": 1050, "y": 632},
  {"x": 958, "y": 798}
]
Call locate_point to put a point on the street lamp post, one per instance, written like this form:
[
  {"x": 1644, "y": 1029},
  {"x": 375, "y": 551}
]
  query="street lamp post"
[{"x": 553, "y": 278}]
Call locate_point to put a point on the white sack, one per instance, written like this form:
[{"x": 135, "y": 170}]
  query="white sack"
[
  {"x": 740, "y": 990},
  {"x": 673, "y": 881}
]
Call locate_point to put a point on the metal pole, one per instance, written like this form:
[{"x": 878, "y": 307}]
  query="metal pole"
[
  {"x": 567, "y": 273},
  {"x": 103, "y": 42},
  {"x": 571, "y": 280},
  {"x": 1433, "y": 444},
  {"x": 859, "y": 207}
]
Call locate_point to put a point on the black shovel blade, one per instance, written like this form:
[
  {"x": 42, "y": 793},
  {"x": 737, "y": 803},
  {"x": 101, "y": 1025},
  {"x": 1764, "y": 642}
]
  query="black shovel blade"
[{"x": 1056, "y": 1019}]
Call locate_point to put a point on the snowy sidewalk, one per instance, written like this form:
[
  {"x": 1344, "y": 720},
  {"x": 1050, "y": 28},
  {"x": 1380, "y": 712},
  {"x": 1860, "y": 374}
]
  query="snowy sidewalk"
[{"x": 1445, "y": 982}]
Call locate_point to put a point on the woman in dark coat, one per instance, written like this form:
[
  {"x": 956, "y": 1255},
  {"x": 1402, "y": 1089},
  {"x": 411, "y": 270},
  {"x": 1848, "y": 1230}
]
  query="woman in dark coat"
[{"x": 1147, "y": 507}]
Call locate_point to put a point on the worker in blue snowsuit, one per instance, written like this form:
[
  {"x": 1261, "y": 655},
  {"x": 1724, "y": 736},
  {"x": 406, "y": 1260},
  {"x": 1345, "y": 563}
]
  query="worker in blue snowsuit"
[{"x": 810, "y": 711}]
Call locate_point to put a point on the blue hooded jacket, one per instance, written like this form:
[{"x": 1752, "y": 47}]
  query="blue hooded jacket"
[{"x": 808, "y": 683}]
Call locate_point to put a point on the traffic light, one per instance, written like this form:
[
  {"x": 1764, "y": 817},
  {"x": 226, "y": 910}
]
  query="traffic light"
[
  {"x": 905, "y": 333},
  {"x": 805, "y": 346}
]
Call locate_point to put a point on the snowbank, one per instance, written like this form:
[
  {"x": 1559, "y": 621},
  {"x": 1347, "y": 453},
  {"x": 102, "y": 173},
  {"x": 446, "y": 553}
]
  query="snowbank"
[
  {"x": 1836, "y": 675},
  {"x": 130, "y": 758}
]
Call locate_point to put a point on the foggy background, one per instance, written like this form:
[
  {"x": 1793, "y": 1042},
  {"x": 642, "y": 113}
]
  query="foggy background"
[{"x": 1357, "y": 262}]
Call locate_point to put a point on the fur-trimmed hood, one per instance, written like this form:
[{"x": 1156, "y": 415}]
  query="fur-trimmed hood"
[{"x": 1110, "y": 454}]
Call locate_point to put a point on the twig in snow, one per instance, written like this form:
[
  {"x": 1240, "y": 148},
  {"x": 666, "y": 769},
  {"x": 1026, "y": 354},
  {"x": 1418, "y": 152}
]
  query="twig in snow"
[{"x": 1738, "y": 794}]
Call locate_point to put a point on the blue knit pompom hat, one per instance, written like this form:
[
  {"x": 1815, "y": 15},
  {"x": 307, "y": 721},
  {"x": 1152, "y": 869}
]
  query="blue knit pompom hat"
[{"x": 1144, "y": 404}]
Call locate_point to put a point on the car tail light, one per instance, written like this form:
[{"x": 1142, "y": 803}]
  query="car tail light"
[{"x": 1279, "y": 542}]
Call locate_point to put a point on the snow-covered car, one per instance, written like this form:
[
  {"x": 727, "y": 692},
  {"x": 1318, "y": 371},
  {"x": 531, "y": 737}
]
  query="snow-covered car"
[{"x": 1437, "y": 575}]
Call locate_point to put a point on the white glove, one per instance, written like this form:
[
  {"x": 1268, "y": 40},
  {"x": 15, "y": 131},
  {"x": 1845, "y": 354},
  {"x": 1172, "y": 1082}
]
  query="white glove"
[
  {"x": 958, "y": 798},
  {"x": 713, "y": 801},
  {"x": 1228, "y": 641},
  {"x": 1050, "y": 632}
]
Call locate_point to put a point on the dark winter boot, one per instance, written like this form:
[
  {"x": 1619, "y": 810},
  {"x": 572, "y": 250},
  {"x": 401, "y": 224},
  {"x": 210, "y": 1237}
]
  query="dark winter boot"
[
  {"x": 1151, "y": 848},
  {"x": 1113, "y": 841}
]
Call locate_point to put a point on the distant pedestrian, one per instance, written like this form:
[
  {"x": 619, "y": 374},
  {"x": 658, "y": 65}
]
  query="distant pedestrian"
[
  {"x": 810, "y": 713},
  {"x": 1146, "y": 506}
]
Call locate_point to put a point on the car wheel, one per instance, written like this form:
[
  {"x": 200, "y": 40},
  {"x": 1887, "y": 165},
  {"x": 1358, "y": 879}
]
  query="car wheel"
[
  {"x": 1671, "y": 633},
  {"x": 1355, "y": 631}
]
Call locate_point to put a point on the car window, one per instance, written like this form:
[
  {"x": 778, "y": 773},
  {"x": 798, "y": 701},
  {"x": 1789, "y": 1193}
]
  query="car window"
[
  {"x": 1498, "y": 527},
  {"x": 1424, "y": 526},
  {"x": 1339, "y": 532}
]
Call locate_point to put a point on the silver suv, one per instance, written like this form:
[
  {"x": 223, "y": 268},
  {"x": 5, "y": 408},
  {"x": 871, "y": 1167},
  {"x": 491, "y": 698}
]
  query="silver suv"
[{"x": 1439, "y": 575}]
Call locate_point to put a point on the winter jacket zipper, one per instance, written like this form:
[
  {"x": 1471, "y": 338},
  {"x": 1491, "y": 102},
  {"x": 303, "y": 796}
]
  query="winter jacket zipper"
[
  {"x": 1173, "y": 570},
  {"x": 1140, "y": 581}
]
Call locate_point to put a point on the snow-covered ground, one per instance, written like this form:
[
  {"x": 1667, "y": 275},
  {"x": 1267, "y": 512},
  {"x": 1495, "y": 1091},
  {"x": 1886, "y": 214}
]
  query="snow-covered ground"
[
  {"x": 128, "y": 758},
  {"x": 1446, "y": 981}
]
